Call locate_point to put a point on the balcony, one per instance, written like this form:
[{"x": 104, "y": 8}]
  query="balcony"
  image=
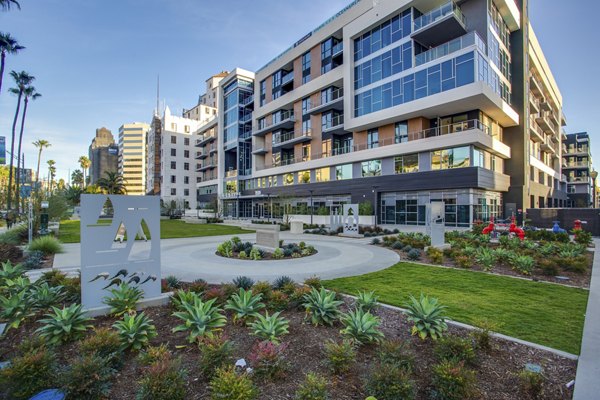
[
  {"x": 578, "y": 179},
  {"x": 212, "y": 149},
  {"x": 287, "y": 78},
  {"x": 232, "y": 173},
  {"x": 450, "y": 47},
  {"x": 544, "y": 122},
  {"x": 202, "y": 154},
  {"x": 334, "y": 126},
  {"x": 281, "y": 163},
  {"x": 246, "y": 134},
  {"x": 535, "y": 132},
  {"x": 337, "y": 50},
  {"x": 582, "y": 150},
  {"x": 206, "y": 166},
  {"x": 546, "y": 106},
  {"x": 534, "y": 104},
  {"x": 247, "y": 101},
  {"x": 330, "y": 100},
  {"x": 535, "y": 85},
  {"x": 285, "y": 120},
  {"x": 206, "y": 138},
  {"x": 577, "y": 164},
  {"x": 289, "y": 139},
  {"x": 439, "y": 25},
  {"x": 547, "y": 146},
  {"x": 260, "y": 151}
]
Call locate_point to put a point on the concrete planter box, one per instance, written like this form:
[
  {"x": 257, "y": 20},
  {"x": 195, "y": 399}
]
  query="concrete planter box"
[{"x": 365, "y": 220}]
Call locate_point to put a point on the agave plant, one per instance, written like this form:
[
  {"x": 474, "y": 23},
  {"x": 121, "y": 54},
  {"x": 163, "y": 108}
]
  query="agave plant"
[
  {"x": 10, "y": 271},
  {"x": 322, "y": 306},
  {"x": 16, "y": 285},
  {"x": 366, "y": 300},
  {"x": 269, "y": 327},
  {"x": 15, "y": 308},
  {"x": 523, "y": 264},
  {"x": 427, "y": 316},
  {"x": 200, "y": 318},
  {"x": 486, "y": 258},
  {"x": 361, "y": 326},
  {"x": 243, "y": 282},
  {"x": 135, "y": 331},
  {"x": 123, "y": 299},
  {"x": 282, "y": 281},
  {"x": 64, "y": 325},
  {"x": 244, "y": 304},
  {"x": 183, "y": 296},
  {"x": 503, "y": 255},
  {"x": 44, "y": 295}
]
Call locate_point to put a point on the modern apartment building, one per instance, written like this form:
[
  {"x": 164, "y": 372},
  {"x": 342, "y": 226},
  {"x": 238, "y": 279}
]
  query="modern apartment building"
[
  {"x": 103, "y": 154},
  {"x": 400, "y": 103},
  {"x": 170, "y": 171},
  {"x": 577, "y": 166},
  {"x": 132, "y": 156}
]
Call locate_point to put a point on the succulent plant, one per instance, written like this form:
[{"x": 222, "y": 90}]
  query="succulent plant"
[
  {"x": 135, "y": 331},
  {"x": 322, "y": 306},
  {"x": 244, "y": 304},
  {"x": 200, "y": 318},
  {"x": 269, "y": 327},
  {"x": 361, "y": 326},
  {"x": 63, "y": 325},
  {"x": 427, "y": 316},
  {"x": 123, "y": 299}
]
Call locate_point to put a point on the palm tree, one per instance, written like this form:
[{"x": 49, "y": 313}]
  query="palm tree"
[
  {"x": 77, "y": 178},
  {"x": 22, "y": 79},
  {"x": 6, "y": 4},
  {"x": 41, "y": 144},
  {"x": 8, "y": 45},
  {"x": 28, "y": 93},
  {"x": 112, "y": 184},
  {"x": 85, "y": 163},
  {"x": 51, "y": 173}
]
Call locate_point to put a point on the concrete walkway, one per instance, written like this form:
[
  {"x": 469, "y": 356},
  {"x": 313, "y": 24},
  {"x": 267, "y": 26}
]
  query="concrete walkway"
[
  {"x": 193, "y": 258},
  {"x": 587, "y": 381}
]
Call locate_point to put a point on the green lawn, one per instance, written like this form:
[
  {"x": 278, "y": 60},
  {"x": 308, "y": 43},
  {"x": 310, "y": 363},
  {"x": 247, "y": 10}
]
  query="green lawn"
[
  {"x": 169, "y": 229},
  {"x": 542, "y": 313}
]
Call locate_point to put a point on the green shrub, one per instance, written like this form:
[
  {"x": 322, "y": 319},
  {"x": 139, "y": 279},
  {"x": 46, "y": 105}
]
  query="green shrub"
[
  {"x": 44, "y": 295},
  {"x": 104, "y": 342},
  {"x": 314, "y": 387},
  {"x": 183, "y": 296},
  {"x": 523, "y": 264},
  {"x": 164, "y": 379},
  {"x": 452, "y": 381},
  {"x": 243, "y": 282},
  {"x": 414, "y": 255},
  {"x": 15, "y": 308},
  {"x": 15, "y": 235},
  {"x": 215, "y": 353},
  {"x": 10, "y": 252},
  {"x": 269, "y": 327},
  {"x": 361, "y": 326},
  {"x": 583, "y": 237},
  {"x": 486, "y": 258},
  {"x": 228, "y": 289},
  {"x": 54, "y": 277},
  {"x": 390, "y": 382},
  {"x": 280, "y": 282},
  {"x": 242, "y": 255},
  {"x": 576, "y": 264},
  {"x": 64, "y": 325},
  {"x": 322, "y": 306},
  {"x": 278, "y": 301},
  {"x": 503, "y": 255},
  {"x": 289, "y": 288},
  {"x": 463, "y": 261},
  {"x": 244, "y": 304},
  {"x": 228, "y": 384},
  {"x": 482, "y": 335},
  {"x": 397, "y": 245},
  {"x": 313, "y": 282},
  {"x": 427, "y": 317},
  {"x": 435, "y": 255},
  {"x": 123, "y": 299},
  {"x": 153, "y": 354},
  {"x": 28, "y": 374},
  {"x": 88, "y": 377},
  {"x": 47, "y": 244},
  {"x": 549, "y": 266},
  {"x": 531, "y": 384},
  {"x": 366, "y": 301},
  {"x": 173, "y": 282},
  {"x": 393, "y": 353},
  {"x": 199, "y": 286},
  {"x": 255, "y": 254},
  {"x": 267, "y": 360},
  {"x": 262, "y": 287},
  {"x": 277, "y": 254},
  {"x": 135, "y": 331},
  {"x": 200, "y": 318},
  {"x": 340, "y": 356},
  {"x": 225, "y": 249},
  {"x": 455, "y": 348}
]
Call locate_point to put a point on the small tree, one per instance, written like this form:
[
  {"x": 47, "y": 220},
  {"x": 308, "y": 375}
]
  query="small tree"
[{"x": 365, "y": 208}]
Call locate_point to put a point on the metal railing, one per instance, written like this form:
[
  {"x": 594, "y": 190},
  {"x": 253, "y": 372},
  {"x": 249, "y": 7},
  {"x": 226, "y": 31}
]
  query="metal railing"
[
  {"x": 287, "y": 136},
  {"x": 333, "y": 122},
  {"x": 247, "y": 100},
  {"x": 206, "y": 136},
  {"x": 284, "y": 116},
  {"x": 577, "y": 164},
  {"x": 287, "y": 77},
  {"x": 450, "y": 47},
  {"x": 326, "y": 98},
  {"x": 578, "y": 179},
  {"x": 232, "y": 173},
  {"x": 338, "y": 48},
  {"x": 438, "y": 13}
]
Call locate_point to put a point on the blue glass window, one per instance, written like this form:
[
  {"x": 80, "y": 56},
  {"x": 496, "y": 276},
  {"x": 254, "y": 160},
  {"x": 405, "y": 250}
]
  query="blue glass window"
[{"x": 383, "y": 35}]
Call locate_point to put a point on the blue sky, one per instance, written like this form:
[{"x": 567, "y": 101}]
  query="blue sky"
[{"x": 96, "y": 62}]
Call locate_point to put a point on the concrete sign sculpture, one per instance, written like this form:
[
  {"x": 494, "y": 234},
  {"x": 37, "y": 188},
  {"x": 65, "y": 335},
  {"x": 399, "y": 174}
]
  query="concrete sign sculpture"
[
  {"x": 106, "y": 262},
  {"x": 436, "y": 224},
  {"x": 350, "y": 219}
]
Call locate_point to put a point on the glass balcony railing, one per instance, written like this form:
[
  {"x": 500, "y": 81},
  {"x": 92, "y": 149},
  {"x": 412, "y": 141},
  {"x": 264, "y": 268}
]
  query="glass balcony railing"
[
  {"x": 326, "y": 98},
  {"x": 333, "y": 122},
  {"x": 439, "y": 13},
  {"x": 287, "y": 77},
  {"x": 450, "y": 47},
  {"x": 337, "y": 49},
  {"x": 287, "y": 136}
]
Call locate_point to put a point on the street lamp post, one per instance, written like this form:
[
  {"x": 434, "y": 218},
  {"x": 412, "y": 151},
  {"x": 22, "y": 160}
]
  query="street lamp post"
[
  {"x": 311, "y": 206},
  {"x": 594, "y": 175},
  {"x": 375, "y": 203}
]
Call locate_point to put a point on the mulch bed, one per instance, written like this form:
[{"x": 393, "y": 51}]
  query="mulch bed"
[
  {"x": 496, "y": 370},
  {"x": 267, "y": 256}
]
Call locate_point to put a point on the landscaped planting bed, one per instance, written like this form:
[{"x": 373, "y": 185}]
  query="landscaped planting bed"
[
  {"x": 235, "y": 248},
  {"x": 291, "y": 337},
  {"x": 549, "y": 257}
]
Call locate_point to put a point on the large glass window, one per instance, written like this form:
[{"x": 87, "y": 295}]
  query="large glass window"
[
  {"x": 323, "y": 174},
  {"x": 407, "y": 163},
  {"x": 306, "y": 67},
  {"x": 401, "y": 132},
  {"x": 288, "y": 179},
  {"x": 304, "y": 177},
  {"x": 306, "y": 152},
  {"x": 383, "y": 35},
  {"x": 343, "y": 172},
  {"x": 372, "y": 138},
  {"x": 263, "y": 92},
  {"x": 458, "y": 157},
  {"x": 371, "y": 168},
  {"x": 385, "y": 65}
]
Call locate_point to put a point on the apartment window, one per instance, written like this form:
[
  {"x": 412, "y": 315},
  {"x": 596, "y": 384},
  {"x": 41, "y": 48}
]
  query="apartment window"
[
  {"x": 478, "y": 158},
  {"x": 306, "y": 67},
  {"x": 371, "y": 168},
  {"x": 383, "y": 35},
  {"x": 173, "y": 165},
  {"x": 186, "y": 128},
  {"x": 288, "y": 179},
  {"x": 407, "y": 163},
  {"x": 186, "y": 166},
  {"x": 263, "y": 92},
  {"x": 186, "y": 192},
  {"x": 323, "y": 174},
  {"x": 401, "y": 132},
  {"x": 173, "y": 139},
  {"x": 173, "y": 126},
  {"x": 262, "y": 123},
  {"x": 343, "y": 172},
  {"x": 372, "y": 138},
  {"x": 186, "y": 179},
  {"x": 173, "y": 152},
  {"x": 457, "y": 157},
  {"x": 186, "y": 154},
  {"x": 173, "y": 179},
  {"x": 304, "y": 177},
  {"x": 173, "y": 192},
  {"x": 383, "y": 66},
  {"x": 306, "y": 152},
  {"x": 186, "y": 141},
  {"x": 326, "y": 51},
  {"x": 326, "y": 148}
]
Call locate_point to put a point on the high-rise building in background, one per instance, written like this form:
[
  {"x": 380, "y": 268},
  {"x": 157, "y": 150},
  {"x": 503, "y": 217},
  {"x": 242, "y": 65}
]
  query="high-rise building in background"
[
  {"x": 132, "y": 156},
  {"x": 103, "y": 154},
  {"x": 577, "y": 166},
  {"x": 207, "y": 102}
]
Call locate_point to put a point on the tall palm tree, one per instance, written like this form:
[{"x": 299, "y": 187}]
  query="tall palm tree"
[
  {"x": 77, "y": 178},
  {"x": 41, "y": 144},
  {"x": 85, "y": 163},
  {"x": 22, "y": 79},
  {"x": 112, "y": 184},
  {"x": 28, "y": 93},
  {"x": 8, "y": 45},
  {"x": 51, "y": 173},
  {"x": 6, "y": 4}
]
